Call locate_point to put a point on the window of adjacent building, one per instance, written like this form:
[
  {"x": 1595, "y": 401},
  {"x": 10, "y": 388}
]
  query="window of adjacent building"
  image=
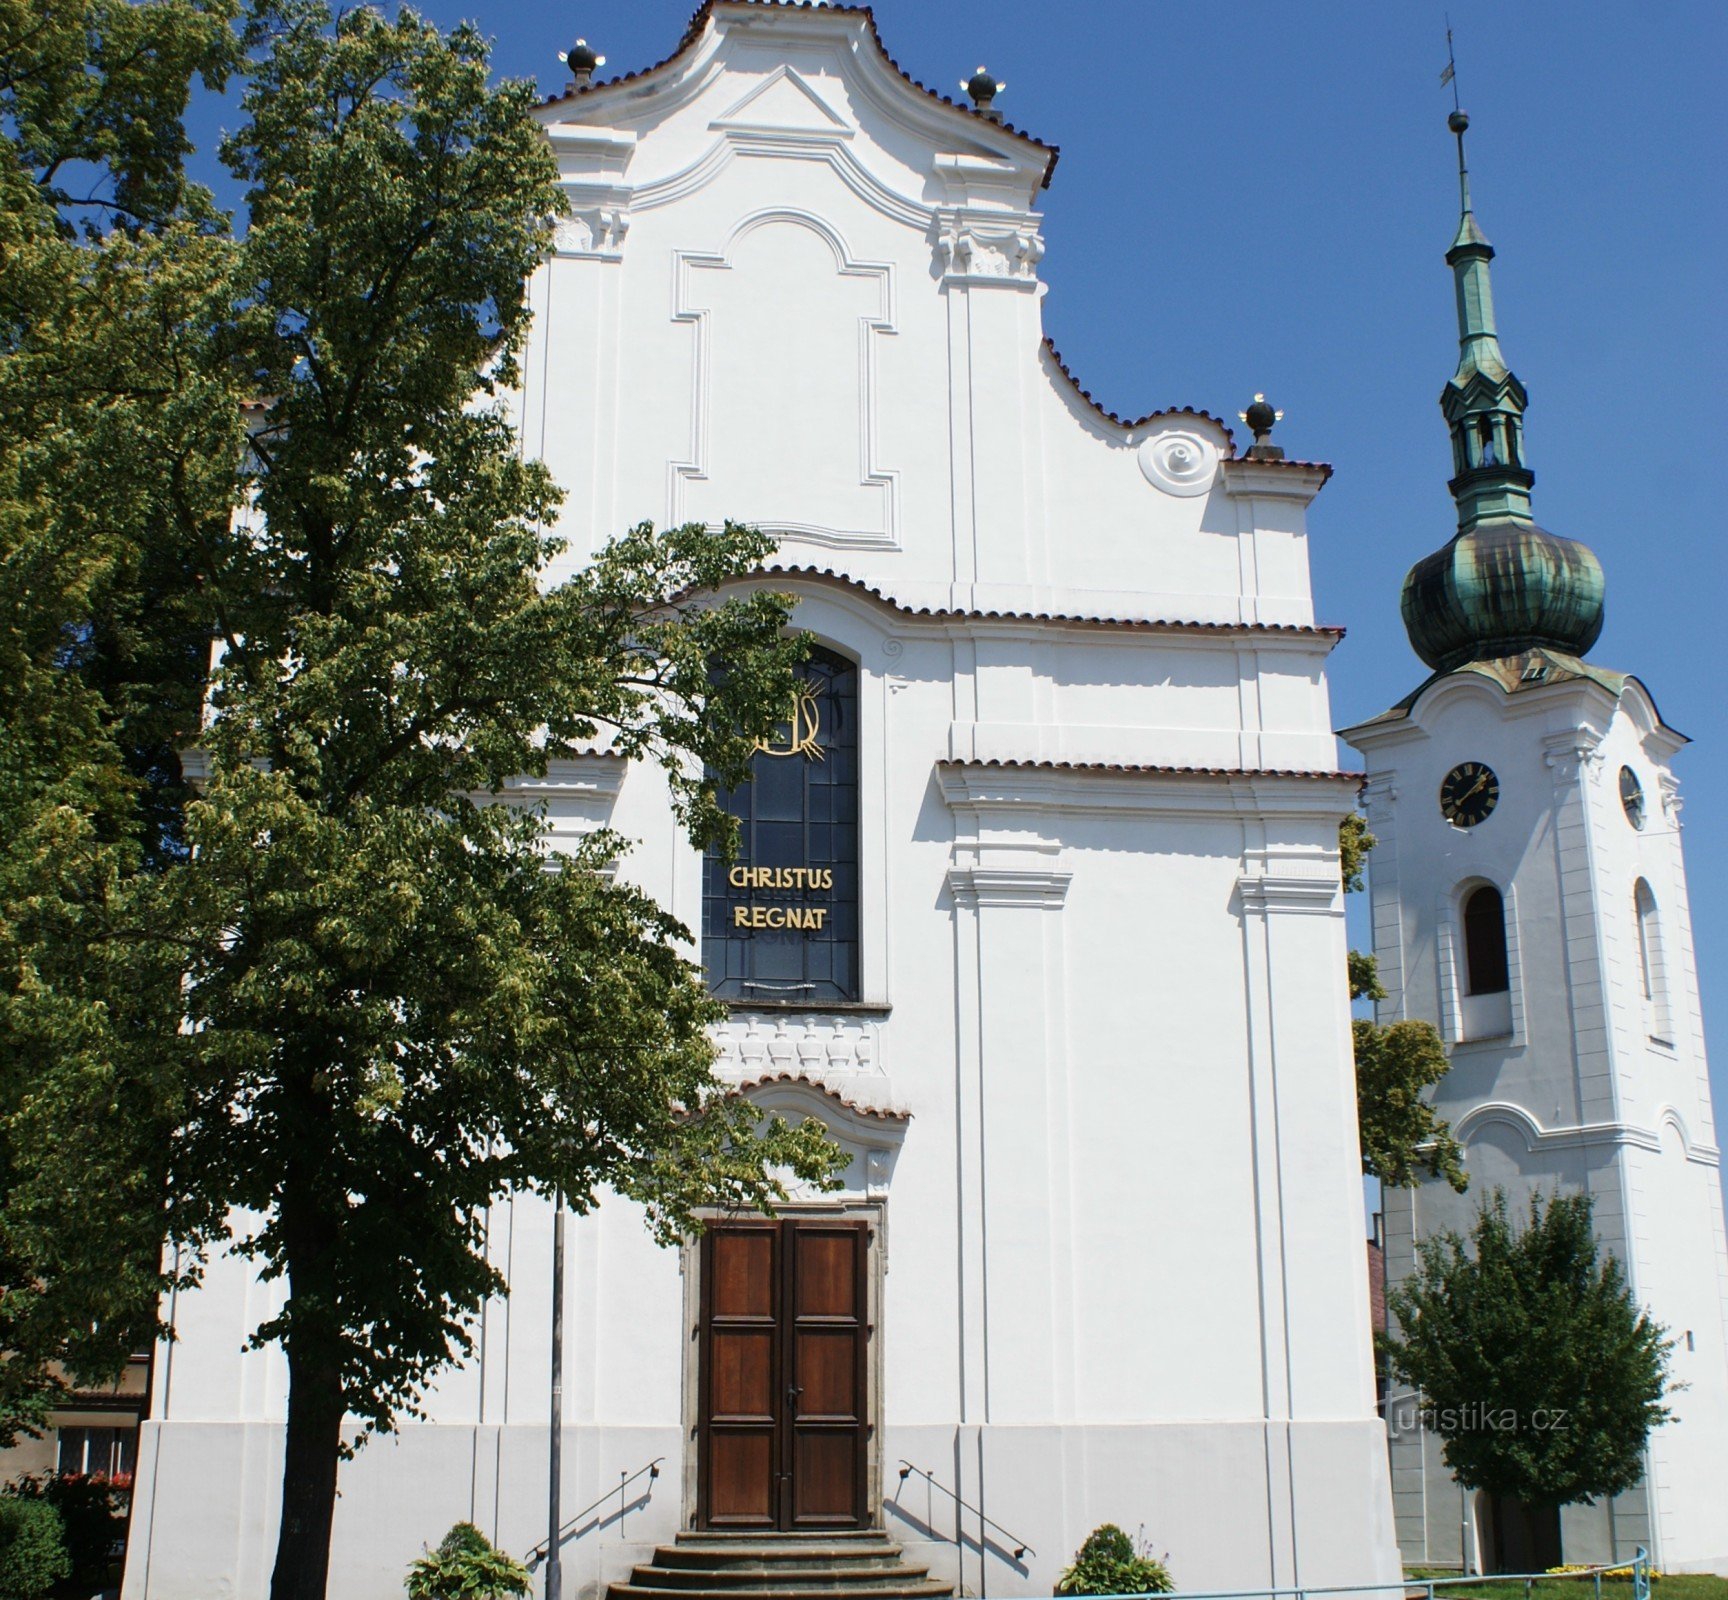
[
  {"x": 112, "y": 1452},
  {"x": 780, "y": 920},
  {"x": 1485, "y": 965},
  {"x": 1650, "y": 973}
]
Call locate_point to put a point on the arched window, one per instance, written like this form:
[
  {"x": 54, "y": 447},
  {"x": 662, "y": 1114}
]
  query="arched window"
[
  {"x": 1485, "y": 964},
  {"x": 1650, "y": 973},
  {"x": 780, "y": 920}
]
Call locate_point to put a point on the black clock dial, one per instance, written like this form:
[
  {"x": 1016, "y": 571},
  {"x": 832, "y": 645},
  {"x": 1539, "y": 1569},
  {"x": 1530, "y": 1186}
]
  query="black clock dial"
[
  {"x": 1469, "y": 793},
  {"x": 1632, "y": 797}
]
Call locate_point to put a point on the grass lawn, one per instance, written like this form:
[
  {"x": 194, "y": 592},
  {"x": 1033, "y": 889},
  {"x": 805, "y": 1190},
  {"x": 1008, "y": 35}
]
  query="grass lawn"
[{"x": 1680, "y": 1586}]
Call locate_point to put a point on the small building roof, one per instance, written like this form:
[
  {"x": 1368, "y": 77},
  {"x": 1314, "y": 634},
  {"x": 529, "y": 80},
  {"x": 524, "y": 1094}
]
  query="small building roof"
[{"x": 1523, "y": 673}]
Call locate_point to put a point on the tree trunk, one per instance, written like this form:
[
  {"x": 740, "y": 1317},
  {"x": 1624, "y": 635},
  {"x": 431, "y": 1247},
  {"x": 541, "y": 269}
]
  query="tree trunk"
[{"x": 308, "y": 1474}]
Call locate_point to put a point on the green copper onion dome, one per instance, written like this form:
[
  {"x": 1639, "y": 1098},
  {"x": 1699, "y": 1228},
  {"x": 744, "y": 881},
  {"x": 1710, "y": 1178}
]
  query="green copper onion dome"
[
  {"x": 1499, "y": 589},
  {"x": 1503, "y": 585}
]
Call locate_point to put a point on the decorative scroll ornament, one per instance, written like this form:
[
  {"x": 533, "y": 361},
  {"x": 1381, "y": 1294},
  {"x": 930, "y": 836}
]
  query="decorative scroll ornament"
[
  {"x": 591, "y": 231},
  {"x": 803, "y": 727},
  {"x": 1179, "y": 462},
  {"x": 970, "y": 252}
]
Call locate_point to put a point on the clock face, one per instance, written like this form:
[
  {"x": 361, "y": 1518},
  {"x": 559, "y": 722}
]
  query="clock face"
[
  {"x": 1469, "y": 794},
  {"x": 1632, "y": 797}
]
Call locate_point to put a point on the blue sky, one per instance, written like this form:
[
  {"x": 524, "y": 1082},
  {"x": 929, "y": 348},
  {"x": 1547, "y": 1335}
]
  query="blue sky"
[{"x": 1259, "y": 197}]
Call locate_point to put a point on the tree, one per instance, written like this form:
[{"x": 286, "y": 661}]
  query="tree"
[
  {"x": 1403, "y": 1138},
  {"x": 342, "y": 990},
  {"x": 1537, "y": 1367},
  {"x": 111, "y": 267}
]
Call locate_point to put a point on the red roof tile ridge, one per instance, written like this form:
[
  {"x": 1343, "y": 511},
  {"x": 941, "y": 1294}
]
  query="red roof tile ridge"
[
  {"x": 1050, "y": 764},
  {"x": 765, "y": 1079},
  {"x": 694, "y": 31},
  {"x": 1172, "y": 411},
  {"x": 794, "y": 569},
  {"x": 1133, "y": 422}
]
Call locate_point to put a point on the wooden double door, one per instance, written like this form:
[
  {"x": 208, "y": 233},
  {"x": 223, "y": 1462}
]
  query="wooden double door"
[{"x": 784, "y": 1414}]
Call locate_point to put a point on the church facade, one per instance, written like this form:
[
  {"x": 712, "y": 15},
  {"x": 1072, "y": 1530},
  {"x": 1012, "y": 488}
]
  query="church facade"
[
  {"x": 1528, "y": 897},
  {"x": 1038, "y": 910}
]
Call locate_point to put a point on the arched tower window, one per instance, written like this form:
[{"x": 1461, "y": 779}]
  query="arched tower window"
[
  {"x": 1485, "y": 964},
  {"x": 780, "y": 920},
  {"x": 1650, "y": 973}
]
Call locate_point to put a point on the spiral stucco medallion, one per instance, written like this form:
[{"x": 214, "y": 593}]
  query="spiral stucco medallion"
[{"x": 1178, "y": 461}]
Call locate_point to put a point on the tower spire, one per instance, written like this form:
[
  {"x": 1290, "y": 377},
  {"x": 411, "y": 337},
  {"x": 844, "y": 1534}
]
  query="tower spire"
[
  {"x": 1502, "y": 585},
  {"x": 1484, "y": 402}
]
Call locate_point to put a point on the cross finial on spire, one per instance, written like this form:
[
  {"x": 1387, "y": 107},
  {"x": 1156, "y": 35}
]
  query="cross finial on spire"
[{"x": 1484, "y": 403}]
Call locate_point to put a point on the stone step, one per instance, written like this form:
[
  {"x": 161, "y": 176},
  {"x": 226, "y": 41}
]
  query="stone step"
[
  {"x": 919, "y": 1589},
  {"x": 851, "y": 1576},
  {"x": 754, "y": 1564},
  {"x": 763, "y": 1553},
  {"x": 723, "y": 1536}
]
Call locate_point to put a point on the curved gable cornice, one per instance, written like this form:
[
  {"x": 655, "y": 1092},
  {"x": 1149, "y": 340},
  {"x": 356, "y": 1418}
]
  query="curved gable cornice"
[{"x": 877, "y": 75}]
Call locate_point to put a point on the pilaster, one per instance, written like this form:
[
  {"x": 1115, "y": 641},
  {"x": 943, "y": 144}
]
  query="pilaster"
[{"x": 1303, "y": 1136}]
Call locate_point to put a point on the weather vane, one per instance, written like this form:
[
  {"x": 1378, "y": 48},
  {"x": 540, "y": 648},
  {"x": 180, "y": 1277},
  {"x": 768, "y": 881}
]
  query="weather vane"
[{"x": 1450, "y": 75}]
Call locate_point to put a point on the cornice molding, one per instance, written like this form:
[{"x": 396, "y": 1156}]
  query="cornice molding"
[
  {"x": 1580, "y": 1135},
  {"x": 1044, "y": 888},
  {"x": 987, "y": 786},
  {"x": 1301, "y": 893}
]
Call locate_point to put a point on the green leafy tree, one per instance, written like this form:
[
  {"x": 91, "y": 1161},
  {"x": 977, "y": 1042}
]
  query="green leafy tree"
[
  {"x": 33, "y": 1554},
  {"x": 92, "y": 1516},
  {"x": 1403, "y": 1138},
  {"x": 1537, "y": 1367},
  {"x": 113, "y": 437},
  {"x": 341, "y": 988}
]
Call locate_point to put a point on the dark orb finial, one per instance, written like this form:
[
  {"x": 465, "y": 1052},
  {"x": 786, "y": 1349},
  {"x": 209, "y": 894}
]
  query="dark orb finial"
[
  {"x": 983, "y": 90},
  {"x": 1262, "y": 418},
  {"x": 1458, "y": 121},
  {"x": 581, "y": 58}
]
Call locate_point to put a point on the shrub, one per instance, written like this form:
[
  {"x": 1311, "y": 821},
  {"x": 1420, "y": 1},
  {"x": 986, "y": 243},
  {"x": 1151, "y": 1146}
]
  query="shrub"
[
  {"x": 466, "y": 1566},
  {"x": 32, "y": 1548},
  {"x": 92, "y": 1518},
  {"x": 1109, "y": 1562}
]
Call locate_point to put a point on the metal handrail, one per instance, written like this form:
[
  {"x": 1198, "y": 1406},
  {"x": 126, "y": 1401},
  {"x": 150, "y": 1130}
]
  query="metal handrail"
[
  {"x": 538, "y": 1554},
  {"x": 1021, "y": 1548}
]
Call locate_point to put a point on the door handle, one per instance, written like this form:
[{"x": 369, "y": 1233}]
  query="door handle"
[{"x": 793, "y": 1390}]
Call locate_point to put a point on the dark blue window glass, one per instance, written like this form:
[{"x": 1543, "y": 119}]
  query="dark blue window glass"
[{"x": 780, "y": 920}]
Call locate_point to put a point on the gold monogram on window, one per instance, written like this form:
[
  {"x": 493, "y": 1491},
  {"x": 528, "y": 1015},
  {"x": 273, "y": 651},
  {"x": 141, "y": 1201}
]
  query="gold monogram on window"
[{"x": 802, "y": 727}]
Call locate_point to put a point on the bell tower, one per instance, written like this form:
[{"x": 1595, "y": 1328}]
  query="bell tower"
[{"x": 1528, "y": 897}]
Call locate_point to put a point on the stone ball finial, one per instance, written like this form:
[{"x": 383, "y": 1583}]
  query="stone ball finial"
[
  {"x": 983, "y": 89},
  {"x": 581, "y": 58},
  {"x": 1261, "y": 417},
  {"x": 1458, "y": 121}
]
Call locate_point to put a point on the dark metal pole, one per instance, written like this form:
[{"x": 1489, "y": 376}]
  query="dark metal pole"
[{"x": 555, "y": 1459}]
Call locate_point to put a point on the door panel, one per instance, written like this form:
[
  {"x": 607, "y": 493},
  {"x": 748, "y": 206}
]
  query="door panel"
[
  {"x": 825, "y": 1481},
  {"x": 741, "y": 1481},
  {"x": 743, "y": 1381},
  {"x": 825, "y": 1366},
  {"x": 826, "y": 1269},
  {"x": 743, "y": 1270},
  {"x": 784, "y": 1415},
  {"x": 741, "y": 1376}
]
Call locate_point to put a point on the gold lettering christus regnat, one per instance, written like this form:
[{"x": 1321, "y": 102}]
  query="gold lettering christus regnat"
[
  {"x": 779, "y": 917},
  {"x": 781, "y": 878}
]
